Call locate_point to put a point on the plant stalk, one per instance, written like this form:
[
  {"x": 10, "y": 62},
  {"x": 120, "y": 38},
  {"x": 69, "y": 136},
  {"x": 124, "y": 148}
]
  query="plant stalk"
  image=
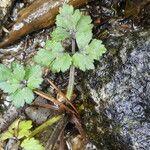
[
  {"x": 45, "y": 125},
  {"x": 70, "y": 87}
]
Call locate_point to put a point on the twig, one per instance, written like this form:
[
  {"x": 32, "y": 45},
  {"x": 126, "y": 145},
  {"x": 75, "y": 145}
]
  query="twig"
[
  {"x": 64, "y": 96},
  {"x": 56, "y": 133},
  {"x": 71, "y": 75},
  {"x": 40, "y": 93}
]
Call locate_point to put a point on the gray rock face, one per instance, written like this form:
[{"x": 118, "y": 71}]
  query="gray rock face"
[
  {"x": 120, "y": 90},
  {"x": 5, "y": 8}
]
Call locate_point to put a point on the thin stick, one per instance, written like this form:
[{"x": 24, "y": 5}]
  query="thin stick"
[
  {"x": 65, "y": 98},
  {"x": 40, "y": 93},
  {"x": 71, "y": 75},
  {"x": 56, "y": 133}
]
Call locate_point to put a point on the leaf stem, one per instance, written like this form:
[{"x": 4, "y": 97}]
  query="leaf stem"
[
  {"x": 45, "y": 125},
  {"x": 71, "y": 74}
]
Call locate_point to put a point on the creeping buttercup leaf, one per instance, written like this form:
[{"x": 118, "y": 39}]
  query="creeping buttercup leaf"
[
  {"x": 8, "y": 87},
  {"x": 63, "y": 19},
  {"x": 96, "y": 49},
  {"x": 5, "y": 72},
  {"x": 11, "y": 132},
  {"x": 66, "y": 22},
  {"x": 19, "y": 82},
  {"x": 75, "y": 18},
  {"x": 6, "y": 135},
  {"x": 61, "y": 63},
  {"x": 83, "y": 62},
  {"x": 54, "y": 46},
  {"x": 18, "y": 71},
  {"x": 31, "y": 144},
  {"x": 24, "y": 129},
  {"x": 44, "y": 57},
  {"x": 84, "y": 32},
  {"x": 18, "y": 129},
  {"x": 22, "y": 96},
  {"x": 71, "y": 25},
  {"x": 60, "y": 34},
  {"x": 83, "y": 39},
  {"x": 34, "y": 77}
]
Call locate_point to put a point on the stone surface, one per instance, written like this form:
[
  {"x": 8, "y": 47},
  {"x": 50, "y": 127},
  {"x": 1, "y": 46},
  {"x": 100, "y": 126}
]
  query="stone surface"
[
  {"x": 118, "y": 95},
  {"x": 5, "y": 6}
]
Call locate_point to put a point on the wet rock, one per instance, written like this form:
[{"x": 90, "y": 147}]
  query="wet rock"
[
  {"x": 5, "y": 6},
  {"x": 38, "y": 114},
  {"x": 118, "y": 95}
]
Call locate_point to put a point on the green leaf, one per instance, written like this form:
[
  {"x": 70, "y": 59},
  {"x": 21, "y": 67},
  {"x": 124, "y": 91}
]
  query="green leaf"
[
  {"x": 62, "y": 63},
  {"x": 32, "y": 144},
  {"x": 63, "y": 19},
  {"x": 60, "y": 34},
  {"x": 24, "y": 129},
  {"x": 44, "y": 57},
  {"x": 34, "y": 76},
  {"x": 83, "y": 39},
  {"x": 84, "y": 32},
  {"x": 5, "y": 72},
  {"x": 84, "y": 24},
  {"x": 68, "y": 18},
  {"x": 96, "y": 49},
  {"x": 34, "y": 83},
  {"x": 8, "y": 87},
  {"x": 83, "y": 62},
  {"x": 75, "y": 18},
  {"x": 18, "y": 71},
  {"x": 54, "y": 46},
  {"x": 66, "y": 10},
  {"x": 18, "y": 129},
  {"x": 6, "y": 135},
  {"x": 21, "y": 96},
  {"x": 11, "y": 131}
]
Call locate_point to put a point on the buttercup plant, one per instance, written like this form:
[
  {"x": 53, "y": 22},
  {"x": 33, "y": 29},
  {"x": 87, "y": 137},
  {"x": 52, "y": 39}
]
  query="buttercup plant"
[
  {"x": 21, "y": 131},
  {"x": 71, "y": 25},
  {"x": 19, "y": 82}
]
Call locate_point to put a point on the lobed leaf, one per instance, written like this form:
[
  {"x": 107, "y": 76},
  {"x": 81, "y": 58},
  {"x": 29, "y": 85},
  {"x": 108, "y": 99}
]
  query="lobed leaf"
[
  {"x": 5, "y": 72},
  {"x": 83, "y": 62},
  {"x": 96, "y": 49},
  {"x": 8, "y": 87},
  {"x": 22, "y": 96},
  {"x": 63, "y": 19},
  {"x": 60, "y": 34},
  {"x": 44, "y": 57},
  {"x": 31, "y": 144},
  {"x": 84, "y": 32},
  {"x": 61, "y": 63},
  {"x": 18, "y": 129},
  {"x": 11, "y": 131},
  {"x": 18, "y": 71},
  {"x": 6, "y": 135},
  {"x": 54, "y": 46},
  {"x": 34, "y": 77},
  {"x": 24, "y": 129}
]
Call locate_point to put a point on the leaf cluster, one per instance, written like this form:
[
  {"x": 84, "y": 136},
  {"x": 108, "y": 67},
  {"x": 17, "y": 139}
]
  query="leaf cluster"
[
  {"x": 71, "y": 25},
  {"x": 19, "y": 81},
  {"x": 21, "y": 130}
]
